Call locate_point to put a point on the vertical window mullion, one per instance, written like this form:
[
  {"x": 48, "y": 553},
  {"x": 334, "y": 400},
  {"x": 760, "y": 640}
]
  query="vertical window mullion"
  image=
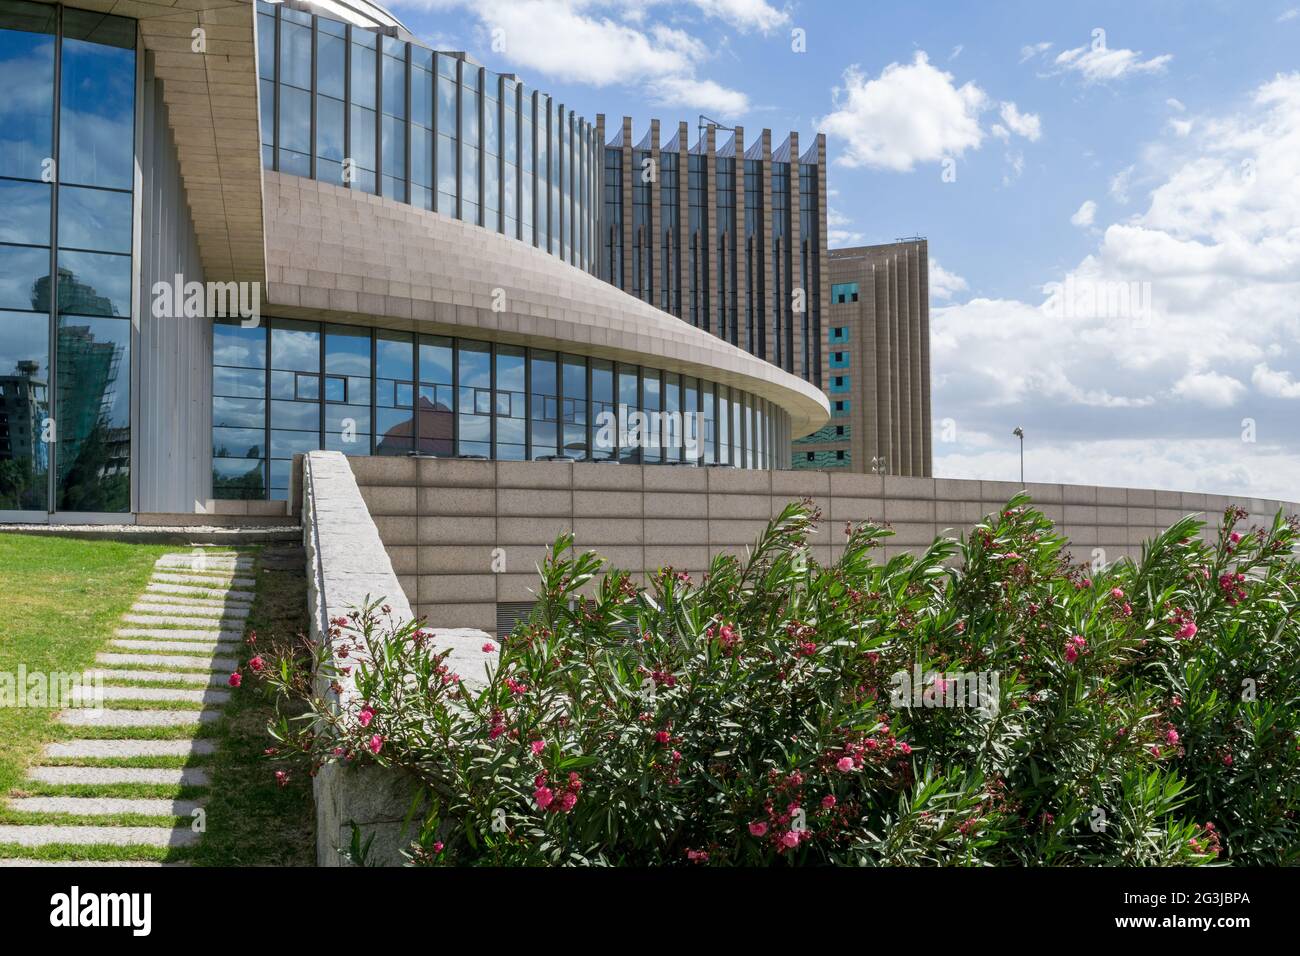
[{"x": 315, "y": 60}]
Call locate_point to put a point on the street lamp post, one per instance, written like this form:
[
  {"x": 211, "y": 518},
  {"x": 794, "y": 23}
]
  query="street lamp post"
[{"x": 1020, "y": 433}]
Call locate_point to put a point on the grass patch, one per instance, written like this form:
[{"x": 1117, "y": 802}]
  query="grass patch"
[
  {"x": 61, "y": 602},
  {"x": 251, "y": 820}
]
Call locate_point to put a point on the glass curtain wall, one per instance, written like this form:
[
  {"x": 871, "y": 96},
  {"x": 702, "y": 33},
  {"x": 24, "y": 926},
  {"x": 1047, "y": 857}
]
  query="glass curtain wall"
[
  {"x": 66, "y": 180},
  {"x": 430, "y": 129},
  {"x": 290, "y": 386}
]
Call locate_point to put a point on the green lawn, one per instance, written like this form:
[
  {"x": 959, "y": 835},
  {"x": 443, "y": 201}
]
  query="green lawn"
[{"x": 60, "y": 599}]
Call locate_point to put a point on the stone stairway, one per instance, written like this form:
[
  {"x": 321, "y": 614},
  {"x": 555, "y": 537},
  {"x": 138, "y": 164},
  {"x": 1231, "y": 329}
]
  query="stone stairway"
[{"x": 164, "y": 680}]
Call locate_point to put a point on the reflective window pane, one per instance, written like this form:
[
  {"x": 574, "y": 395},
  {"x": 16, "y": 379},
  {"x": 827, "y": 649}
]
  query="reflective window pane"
[
  {"x": 97, "y": 109},
  {"x": 26, "y": 216},
  {"x": 94, "y": 284},
  {"x": 24, "y": 406},
  {"x": 24, "y": 278},
  {"x": 94, "y": 415},
  {"x": 27, "y": 64},
  {"x": 94, "y": 219}
]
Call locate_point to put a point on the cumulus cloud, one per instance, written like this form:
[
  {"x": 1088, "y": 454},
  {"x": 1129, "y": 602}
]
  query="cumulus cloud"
[
  {"x": 1031, "y": 50},
  {"x": 912, "y": 113},
  {"x": 1179, "y": 328},
  {"x": 1274, "y": 384},
  {"x": 1086, "y": 215},
  {"x": 944, "y": 284},
  {"x": 744, "y": 14},
  {"x": 1097, "y": 63},
  {"x": 1027, "y": 125},
  {"x": 616, "y": 44}
]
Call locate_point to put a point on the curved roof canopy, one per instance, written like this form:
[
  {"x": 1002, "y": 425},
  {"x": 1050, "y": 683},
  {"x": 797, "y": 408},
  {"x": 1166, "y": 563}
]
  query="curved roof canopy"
[{"x": 361, "y": 13}]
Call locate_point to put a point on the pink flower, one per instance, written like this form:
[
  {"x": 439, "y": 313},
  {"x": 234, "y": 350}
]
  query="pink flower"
[
  {"x": 257, "y": 664},
  {"x": 366, "y": 716},
  {"x": 1235, "y": 537},
  {"x": 489, "y": 647},
  {"x": 281, "y": 778},
  {"x": 697, "y": 856},
  {"x": 828, "y": 801},
  {"x": 376, "y": 743},
  {"x": 844, "y": 764},
  {"x": 568, "y": 800},
  {"x": 758, "y": 828},
  {"x": 906, "y": 748},
  {"x": 1172, "y": 736},
  {"x": 437, "y": 847},
  {"x": 791, "y": 838},
  {"x": 1227, "y": 760},
  {"x": 537, "y": 746},
  {"x": 543, "y": 796},
  {"x": 663, "y": 736},
  {"x": 1186, "y": 631},
  {"x": 235, "y": 679},
  {"x": 1117, "y": 594}
]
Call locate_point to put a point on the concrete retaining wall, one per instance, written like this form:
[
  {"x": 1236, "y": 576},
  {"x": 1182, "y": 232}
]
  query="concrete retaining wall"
[
  {"x": 346, "y": 568},
  {"x": 441, "y": 520}
]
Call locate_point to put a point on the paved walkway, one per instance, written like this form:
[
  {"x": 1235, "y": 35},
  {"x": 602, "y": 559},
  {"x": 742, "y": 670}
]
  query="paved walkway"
[{"x": 181, "y": 635}]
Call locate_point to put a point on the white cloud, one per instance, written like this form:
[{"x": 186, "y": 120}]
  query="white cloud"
[
  {"x": 1274, "y": 384},
  {"x": 912, "y": 113},
  {"x": 1180, "y": 127},
  {"x": 1175, "y": 104},
  {"x": 1097, "y": 63},
  {"x": 1120, "y": 183},
  {"x": 1001, "y": 132},
  {"x": 1210, "y": 388},
  {"x": 1154, "y": 394},
  {"x": 744, "y": 14},
  {"x": 838, "y": 233},
  {"x": 1027, "y": 125},
  {"x": 1086, "y": 215},
  {"x": 1289, "y": 15},
  {"x": 611, "y": 45},
  {"x": 1031, "y": 50},
  {"x": 944, "y": 284},
  {"x": 956, "y": 51}
]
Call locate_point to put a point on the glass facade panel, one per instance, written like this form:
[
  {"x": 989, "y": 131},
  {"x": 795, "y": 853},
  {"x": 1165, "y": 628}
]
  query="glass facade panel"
[
  {"x": 65, "y": 436},
  {"x": 432, "y": 395},
  {"x": 543, "y": 410}
]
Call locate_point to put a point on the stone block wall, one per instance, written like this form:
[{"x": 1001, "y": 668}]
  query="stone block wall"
[{"x": 445, "y": 521}]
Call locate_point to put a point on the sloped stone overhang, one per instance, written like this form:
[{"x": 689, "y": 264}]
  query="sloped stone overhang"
[{"x": 347, "y": 256}]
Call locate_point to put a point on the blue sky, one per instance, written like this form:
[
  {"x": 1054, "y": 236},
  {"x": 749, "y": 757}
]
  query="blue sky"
[{"x": 1163, "y": 154}]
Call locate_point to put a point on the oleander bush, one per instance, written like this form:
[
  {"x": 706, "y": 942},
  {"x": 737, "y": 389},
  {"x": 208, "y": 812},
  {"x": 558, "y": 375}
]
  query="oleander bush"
[{"x": 986, "y": 702}]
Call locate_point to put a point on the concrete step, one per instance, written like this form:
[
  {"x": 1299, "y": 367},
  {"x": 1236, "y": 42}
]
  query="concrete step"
[
  {"x": 179, "y": 634},
  {"x": 190, "y": 663},
  {"x": 114, "y": 836},
  {"x": 90, "y": 749},
  {"x": 213, "y": 697},
  {"x": 200, "y": 613},
  {"x": 195, "y": 679},
  {"x": 193, "y": 647},
  {"x": 238, "y": 595},
  {"x": 109, "y": 776},
  {"x": 202, "y": 579},
  {"x": 104, "y": 806},
  {"x": 81, "y": 863},
  {"x": 136, "y": 718}
]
